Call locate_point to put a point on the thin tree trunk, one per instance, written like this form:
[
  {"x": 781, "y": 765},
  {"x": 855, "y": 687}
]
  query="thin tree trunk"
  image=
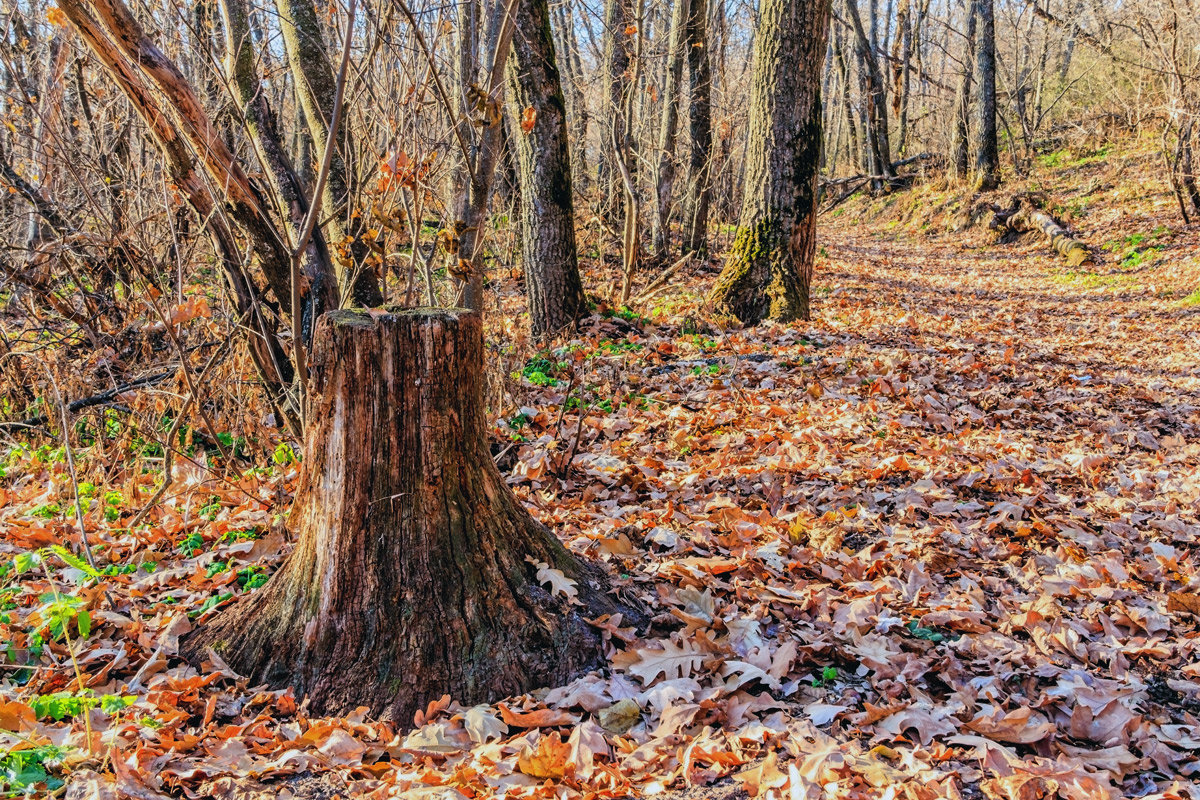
[
  {"x": 416, "y": 572},
  {"x": 473, "y": 202},
  {"x": 855, "y": 145},
  {"x": 669, "y": 128},
  {"x": 769, "y": 268},
  {"x": 577, "y": 110},
  {"x": 627, "y": 161},
  {"x": 961, "y": 134},
  {"x": 617, "y": 55},
  {"x": 548, "y": 251},
  {"x": 903, "y": 46},
  {"x": 879, "y": 148},
  {"x": 700, "y": 156},
  {"x": 316, "y": 85},
  {"x": 289, "y": 191}
]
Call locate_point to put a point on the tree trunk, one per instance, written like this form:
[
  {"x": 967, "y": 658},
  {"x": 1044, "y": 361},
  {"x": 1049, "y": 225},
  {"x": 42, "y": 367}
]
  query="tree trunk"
[
  {"x": 961, "y": 135},
  {"x": 1024, "y": 216},
  {"x": 627, "y": 159},
  {"x": 617, "y": 55},
  {"x": 547, "y": 223},
  {"x": 669, "y": 128},
  {"x": 879, "y": 148},
  {"x": 769, "y": 267},
  {"x": 847, "y": 107},
  {"x": 699, "y": 186},
  {"x": 987, "y": 158},
  {"x": 127, "y": 55},
  {"x": 415, "y": 573},
  {"x": 260, "y": 125},
  {"x": 577, "y": 110},
  {"x": 311, "y": 63},
  {"x": 473, "y": 201}
]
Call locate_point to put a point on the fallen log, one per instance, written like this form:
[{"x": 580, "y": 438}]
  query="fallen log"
[{"x": 1024, "y": 216}]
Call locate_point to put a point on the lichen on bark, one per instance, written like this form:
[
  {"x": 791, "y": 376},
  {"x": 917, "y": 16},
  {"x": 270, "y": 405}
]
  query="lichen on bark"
[{"x": 758, "y": 281}]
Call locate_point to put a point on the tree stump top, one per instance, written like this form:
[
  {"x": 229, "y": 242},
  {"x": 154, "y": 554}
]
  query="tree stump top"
[{"x": 363, "y": 317}]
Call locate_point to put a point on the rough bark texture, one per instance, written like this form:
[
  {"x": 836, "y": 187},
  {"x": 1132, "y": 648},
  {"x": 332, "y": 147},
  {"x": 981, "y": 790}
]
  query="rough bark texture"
[
  {"x": 987, "y": 158},
  {"x": 769, "y": 267},
  {"x": 410, "y": 577},
  {"x": 694, "y": 222},
  {"x": 548, "y": 251}
]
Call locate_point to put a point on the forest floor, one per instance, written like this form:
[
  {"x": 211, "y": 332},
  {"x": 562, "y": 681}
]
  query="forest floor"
[{"x": 943, "y": 541}]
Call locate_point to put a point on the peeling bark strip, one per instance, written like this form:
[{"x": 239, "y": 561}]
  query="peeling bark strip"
[{"x": 410, "y": 578}]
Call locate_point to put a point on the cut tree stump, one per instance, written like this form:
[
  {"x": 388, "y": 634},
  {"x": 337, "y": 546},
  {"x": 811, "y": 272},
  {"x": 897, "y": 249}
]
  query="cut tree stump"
[{"x": 412, "y": 575}]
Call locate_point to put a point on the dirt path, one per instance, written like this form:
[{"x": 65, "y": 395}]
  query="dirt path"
[{"x": 1104, "y": 344}]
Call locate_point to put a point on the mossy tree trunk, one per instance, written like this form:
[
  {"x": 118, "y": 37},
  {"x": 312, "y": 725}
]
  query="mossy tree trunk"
[
  {"x": 410, "y": 578},
  {"x": 540, "y": 139},
  {"x": 768, "y": 270}
]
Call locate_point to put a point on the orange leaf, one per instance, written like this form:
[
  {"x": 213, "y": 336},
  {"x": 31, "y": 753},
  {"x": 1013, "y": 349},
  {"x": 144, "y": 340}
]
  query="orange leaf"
[
  {"x": 539, "y": 718},
  {"x": 549, "y": 760},
  {"x": 16, "y": 716},
  {"x": 528, "y": 120}
]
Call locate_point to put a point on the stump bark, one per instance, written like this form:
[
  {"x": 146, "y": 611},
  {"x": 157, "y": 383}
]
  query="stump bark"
[{"x": 410, "y": 577}]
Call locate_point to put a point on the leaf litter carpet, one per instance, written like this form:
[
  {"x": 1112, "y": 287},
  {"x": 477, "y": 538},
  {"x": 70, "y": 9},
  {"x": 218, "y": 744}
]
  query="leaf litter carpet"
[{"x": 940, "y": 542}]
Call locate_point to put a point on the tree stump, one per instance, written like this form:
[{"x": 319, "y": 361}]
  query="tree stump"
[{"x": 410, "y": 576}]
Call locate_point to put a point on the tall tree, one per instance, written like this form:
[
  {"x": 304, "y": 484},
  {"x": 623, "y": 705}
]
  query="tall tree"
[
  {"x": 312, "y": 75},
  {"x": 987, "y": 153},
  {"x": 547, "y": 223},
  {"x": 669, "y": 127},
  {"x": 694, "y": 223},
  {"x": 879, "y": 148},
  {"x": 769, "y": 267},
  {"x": 960, "y": 137},
  {"x": 567, "y": 49},
  {"x": 618, "y": 53}
]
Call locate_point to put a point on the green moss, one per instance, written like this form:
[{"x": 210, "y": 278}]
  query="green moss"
[{"x": 758, "y": 281}]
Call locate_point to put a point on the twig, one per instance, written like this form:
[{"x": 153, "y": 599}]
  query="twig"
[
  {"x": 103, "y": 398},
  {"x": 169, "y": 450},
  {"x": 662, "y": 279}
]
